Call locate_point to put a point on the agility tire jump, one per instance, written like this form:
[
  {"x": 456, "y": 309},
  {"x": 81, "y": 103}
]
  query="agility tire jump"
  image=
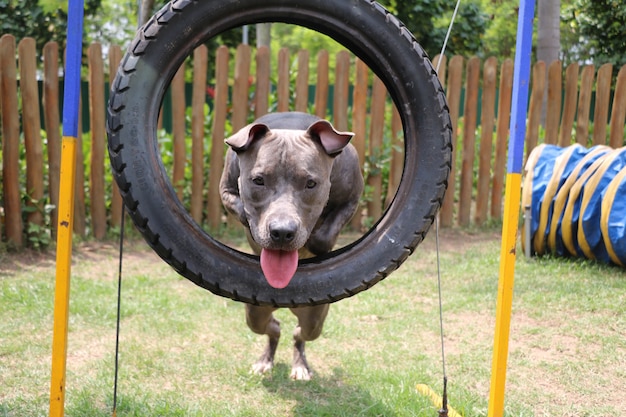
[{"x": 368, "y": 31}]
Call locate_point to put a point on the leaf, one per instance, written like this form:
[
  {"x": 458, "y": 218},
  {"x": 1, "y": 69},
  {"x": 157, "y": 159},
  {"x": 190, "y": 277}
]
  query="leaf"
[{"x": 51, "y": 6}]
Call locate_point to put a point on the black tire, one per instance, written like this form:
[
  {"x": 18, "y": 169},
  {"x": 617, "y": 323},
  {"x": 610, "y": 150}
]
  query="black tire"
[{"x": 371, "y": 33}]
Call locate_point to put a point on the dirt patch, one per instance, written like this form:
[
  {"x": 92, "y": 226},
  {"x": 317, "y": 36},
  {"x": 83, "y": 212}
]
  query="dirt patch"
[
  {"x": 12, "y": 262},
  {"x": 99, "y": 259}
]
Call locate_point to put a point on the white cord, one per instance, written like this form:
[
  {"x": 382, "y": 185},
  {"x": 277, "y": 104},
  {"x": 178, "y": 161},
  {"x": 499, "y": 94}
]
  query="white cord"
[
  {"x": 443, "y": 356},
  {"x": 445, "y": 41}
]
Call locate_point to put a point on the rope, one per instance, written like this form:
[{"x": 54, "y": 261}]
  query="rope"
[
  {"x": 119, "y": 303},
  {"x": 444, "y": 408},
  {"x": 445, "y": 40},
  {"x": 443, "y": 412}
]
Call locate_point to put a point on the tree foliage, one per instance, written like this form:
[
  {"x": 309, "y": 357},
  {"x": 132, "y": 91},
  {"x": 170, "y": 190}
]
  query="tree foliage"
[
  {"x": 428, "y": 20},
  {"x": 43, "y": 20},
  {"x": 500, "y": 35},
  {"x": 596, "y": 30},
  {"x": 297, "y": 37}
]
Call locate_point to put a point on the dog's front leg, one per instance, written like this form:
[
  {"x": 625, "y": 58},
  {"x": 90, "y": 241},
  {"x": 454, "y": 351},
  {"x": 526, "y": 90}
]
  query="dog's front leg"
[
  {"x": 310, "y": 325},
  {"x": 326, "y": 232},
  {"x": 261, "y": 321}
]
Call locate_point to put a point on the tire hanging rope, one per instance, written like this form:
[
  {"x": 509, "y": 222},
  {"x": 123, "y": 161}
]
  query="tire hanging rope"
[
  {"x": 441, "y": 402},
  {"x": 119, "y": 314},
  {"x": 372, "y": 34}
]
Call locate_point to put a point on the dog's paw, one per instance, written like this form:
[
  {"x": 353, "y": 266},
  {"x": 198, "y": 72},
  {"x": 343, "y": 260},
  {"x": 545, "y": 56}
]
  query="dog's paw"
[
  {"x": 262, "y": 366},
  {"x": 301, "y": 373}
]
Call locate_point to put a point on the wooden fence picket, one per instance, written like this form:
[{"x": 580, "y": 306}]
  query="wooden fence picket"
[
  {"x": 618, "y": 113},
  {"x": 502, "y": 138},
  {"x": 282, "y": 89},
  {"x": 359, "y": 108},
  {"x": 80, "y": 206},
  {"x": 535, "y": 106},
  {"x": 302, "y": 82},
  {"x": 98, "y": 139},
  {"x": 584, "y": 104},
  {"x": 396, "y": 163},
  {"x": 322, "y": 84},
  {"x": 570, "y": 101},
  {"x": 32, "y": 131},
  {"x": 342, "y": 87},
  {"x": 52, "y": 126},
  {"x": 359, "y": 121},
  {"x": 601, "y": 112},
  {"x": 469, "y": 140},
  {"x": 453, "y": 94},
  {"x": 240, "y": 87},
  {"x": 555, "y": 88},
  {"x": 220, "y": 110},
  {"x": 177, "y": 88},
  {"x": 262, "y": 92},
  {"x": 10, "y": 143},
  {"x": 377, "y": 127},
  {"x": 198, "y": 100},
  {"x": 490, "y": 71}
]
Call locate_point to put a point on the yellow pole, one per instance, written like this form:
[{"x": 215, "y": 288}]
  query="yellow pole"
[
  {"x": 505, "y": 294},
  {"x": 63, "y": 266},
  {"x": 65, "y": 225},
  {"x": 519, "y": 106}
]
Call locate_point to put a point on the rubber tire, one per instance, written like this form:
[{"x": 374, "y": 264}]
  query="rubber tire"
[{"x": 371, "y": 33}]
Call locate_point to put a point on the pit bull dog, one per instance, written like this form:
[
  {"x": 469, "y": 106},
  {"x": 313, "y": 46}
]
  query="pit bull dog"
[{"x": 293, "y": 181}]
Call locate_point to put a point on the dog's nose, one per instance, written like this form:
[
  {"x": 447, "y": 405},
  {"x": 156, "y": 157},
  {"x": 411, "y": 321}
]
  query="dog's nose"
[{"x": 283, "y": 231}]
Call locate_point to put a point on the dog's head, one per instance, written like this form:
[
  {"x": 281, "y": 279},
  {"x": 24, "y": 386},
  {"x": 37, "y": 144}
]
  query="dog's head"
[{"x": 284, "y": 184}]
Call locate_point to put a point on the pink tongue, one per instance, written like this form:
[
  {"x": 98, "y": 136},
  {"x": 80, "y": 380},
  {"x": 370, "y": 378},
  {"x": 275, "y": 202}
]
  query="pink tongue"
[{"x": 279, "y": 266}]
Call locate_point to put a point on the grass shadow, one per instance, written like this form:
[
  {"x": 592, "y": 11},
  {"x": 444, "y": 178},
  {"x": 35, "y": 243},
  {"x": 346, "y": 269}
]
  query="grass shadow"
[{"x": 325, "y": 395}]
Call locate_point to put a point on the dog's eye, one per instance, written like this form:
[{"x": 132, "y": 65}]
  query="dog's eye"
[
  {"x": 310, "y": 184},
  {"x": 258, "y": 181}
]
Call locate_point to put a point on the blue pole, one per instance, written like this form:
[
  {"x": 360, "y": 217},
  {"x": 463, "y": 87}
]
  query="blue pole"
[
  {"x": 521, "y": 81},
  {"x": 71, "y": 102},
  {"x": 519, "y": 105},
  {"x": 71, "y": 92}
]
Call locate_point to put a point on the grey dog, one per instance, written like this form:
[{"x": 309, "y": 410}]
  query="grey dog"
[{"x": 293, "y": 181}]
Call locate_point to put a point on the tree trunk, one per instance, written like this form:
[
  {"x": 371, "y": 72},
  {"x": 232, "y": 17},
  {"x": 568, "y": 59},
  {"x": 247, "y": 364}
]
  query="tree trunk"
[
  {"x": 548, "y": 31},
  {"x": 145, "y": 11},
  {"x": 548, "y": 39}
]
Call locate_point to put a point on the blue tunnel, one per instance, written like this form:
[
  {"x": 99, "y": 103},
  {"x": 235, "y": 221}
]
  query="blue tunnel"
[{"x": 576, "y": 200}]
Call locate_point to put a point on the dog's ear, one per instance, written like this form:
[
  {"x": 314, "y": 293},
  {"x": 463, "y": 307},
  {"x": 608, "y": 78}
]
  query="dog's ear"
[
  {"x": 241, "y": 140},
  {"x": 332, "y": 141}
]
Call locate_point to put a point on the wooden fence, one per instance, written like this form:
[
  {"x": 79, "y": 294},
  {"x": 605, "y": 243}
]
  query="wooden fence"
[{"x": 479, "y": 107}]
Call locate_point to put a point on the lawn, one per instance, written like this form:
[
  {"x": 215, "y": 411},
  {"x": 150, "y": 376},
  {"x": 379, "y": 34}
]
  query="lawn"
[{"x": 186, "y": 352}]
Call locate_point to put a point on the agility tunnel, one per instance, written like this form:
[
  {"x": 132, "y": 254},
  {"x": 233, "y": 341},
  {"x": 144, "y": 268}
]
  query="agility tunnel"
[{"x": 574, "y": 200}]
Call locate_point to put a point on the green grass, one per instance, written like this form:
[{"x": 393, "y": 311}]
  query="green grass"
[{"x": 186, "y": 352}]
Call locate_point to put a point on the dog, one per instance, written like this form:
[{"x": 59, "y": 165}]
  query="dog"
[{"x": 293, "y": 181}]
